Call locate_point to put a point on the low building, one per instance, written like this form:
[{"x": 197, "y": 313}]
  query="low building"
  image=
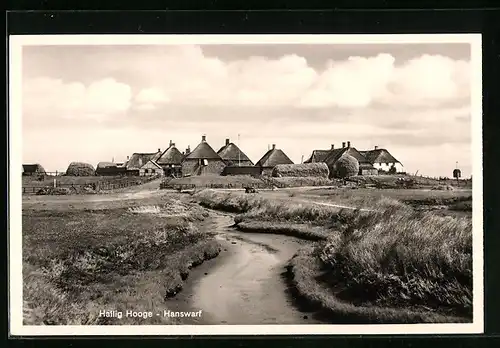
[
  {"x": 272, "y": 158},
  {"x": 203, "y": 160},
  {"x": 109, "y": 169},
  {"x": 151, "y": 168},
  {"x": 233, "y": 156},
  {"x": 381, "y": 159},
  {"x": 33, "y": 169}
]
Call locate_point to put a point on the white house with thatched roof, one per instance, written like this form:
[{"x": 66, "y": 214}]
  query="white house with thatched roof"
[
  {"x": 381, "y": 159},
  {"x": 202, "y": 160}
]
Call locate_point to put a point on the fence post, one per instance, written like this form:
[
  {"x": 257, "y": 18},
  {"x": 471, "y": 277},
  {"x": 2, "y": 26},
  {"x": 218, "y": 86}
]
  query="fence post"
[{"x": 55, "y": 183}]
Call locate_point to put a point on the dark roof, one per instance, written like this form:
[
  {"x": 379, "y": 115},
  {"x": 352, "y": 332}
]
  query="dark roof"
[
  {"x": 171, "y": 156},
  {"x": 274, "y": 157},
  {"x": 318, "y": 156},
  {"x": 231, "y": 152},
  {"x": 379, "y": 156},
  {"x": 106, "y": 165},
  {"x": 137, "y": 160},
  {"x": 33, "y": 168},
  {"x": 334, "y": 155},
  {"x": 203, "y": 151}
]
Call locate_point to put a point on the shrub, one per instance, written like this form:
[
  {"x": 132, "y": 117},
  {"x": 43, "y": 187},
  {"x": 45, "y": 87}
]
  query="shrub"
[
  {"x": 392, "y": 170},
  {"x": 80, "y": 169},
  {"x": 301, "y": 170},
  {"x": 346, "y": 166}
]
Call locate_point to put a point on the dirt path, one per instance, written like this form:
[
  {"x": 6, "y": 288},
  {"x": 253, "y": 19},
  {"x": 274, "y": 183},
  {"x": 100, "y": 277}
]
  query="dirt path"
[{"x": 245, "y": 284}]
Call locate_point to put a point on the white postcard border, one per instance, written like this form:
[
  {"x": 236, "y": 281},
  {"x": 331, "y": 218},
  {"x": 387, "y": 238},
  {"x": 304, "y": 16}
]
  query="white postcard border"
[{"x": 15, "y": 187}]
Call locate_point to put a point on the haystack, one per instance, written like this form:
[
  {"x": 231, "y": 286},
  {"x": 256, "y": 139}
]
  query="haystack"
[
  {"x": 80, "y": 169},
  {"x": 319, "y": 170}
]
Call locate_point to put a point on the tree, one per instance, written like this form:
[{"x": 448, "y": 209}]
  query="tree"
[
  {"x": 346, "y": 166},
  {"x": 392, "y": 170}
]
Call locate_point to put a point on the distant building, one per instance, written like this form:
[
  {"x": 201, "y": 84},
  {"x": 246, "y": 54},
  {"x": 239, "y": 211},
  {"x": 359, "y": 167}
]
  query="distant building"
[
  {"x": 381, "y": 159},
  {"x": 33, "y": 169},
  {"x": 109, "y": 169},
  {"x": 171, "y": 161},
  {"x": 272, "y": 158},
  {"x": 151, "y": 168},
  {"x": 233, "y": 156},
  {"x": 202, "y": 160}
]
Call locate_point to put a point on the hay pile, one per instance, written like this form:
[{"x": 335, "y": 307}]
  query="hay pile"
[
  {"x": 80, "y": 169},
  {"x": 318, "y": 170}
]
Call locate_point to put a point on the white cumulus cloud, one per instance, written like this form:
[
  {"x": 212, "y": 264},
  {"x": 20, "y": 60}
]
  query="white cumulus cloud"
[
  {"x": 187, "y": 76},
  {"x": 48, "y": 96}
]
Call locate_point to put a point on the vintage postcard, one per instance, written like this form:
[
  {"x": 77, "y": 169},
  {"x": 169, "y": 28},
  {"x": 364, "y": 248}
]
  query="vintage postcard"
[{"x": 245, "y": 184}]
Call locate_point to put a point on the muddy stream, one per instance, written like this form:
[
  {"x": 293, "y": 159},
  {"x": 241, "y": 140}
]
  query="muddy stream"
[{"x": 245, "y": 284}]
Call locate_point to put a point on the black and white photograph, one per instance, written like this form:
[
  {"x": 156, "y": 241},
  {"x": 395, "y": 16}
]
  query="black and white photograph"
[{"x": 245, "y": 184}]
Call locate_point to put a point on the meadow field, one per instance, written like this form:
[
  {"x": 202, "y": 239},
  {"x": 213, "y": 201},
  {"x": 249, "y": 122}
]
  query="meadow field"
[
  {"x": 82, "y": 257},
  {"x": 384, "y": 261},
  {"x": 370, "y": 255}
]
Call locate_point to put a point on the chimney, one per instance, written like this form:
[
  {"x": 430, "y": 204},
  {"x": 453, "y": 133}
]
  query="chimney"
[
  {"x": 128, "y": 157},
  {"x": 227, "y": 141},
  {"x": 343, "y": 144},
  {"x": 333, "y": 146},
  {"x": 159, "y": 150},
  {"x": 171, "y": 143},
  {"x": 203, "y": 138},
  {"x": 188, "y": 150},
  {"x": 348, "y": 144},
  {"x": 376, "y": 147},
  {"x": 274, "y": 146}
]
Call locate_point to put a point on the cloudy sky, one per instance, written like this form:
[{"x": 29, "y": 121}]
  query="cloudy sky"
[{"x": 95, "y": 103}]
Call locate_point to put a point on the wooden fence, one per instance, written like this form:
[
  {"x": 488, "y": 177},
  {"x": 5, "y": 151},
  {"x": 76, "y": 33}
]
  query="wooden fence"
[{"x": 97, "y": 185}]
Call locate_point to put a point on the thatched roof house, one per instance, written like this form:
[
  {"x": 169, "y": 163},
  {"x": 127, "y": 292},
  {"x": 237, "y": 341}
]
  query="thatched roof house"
[
  {"x": 137, "y": 160},
  {"x": 382, "y": 159},
  {"x": 202, "y": 160},
  {"x": 233, "y": 156},
  {"x": 335, "y": 154},
  {"x": 272, "y": 158},
  {"x": 171, "y": 161},
  {"x": 171, "y": 156},
  {"x": 33, "y": 169},
  {"x": 318, "y": 155},
  {"x": 151, "y": 168}
]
